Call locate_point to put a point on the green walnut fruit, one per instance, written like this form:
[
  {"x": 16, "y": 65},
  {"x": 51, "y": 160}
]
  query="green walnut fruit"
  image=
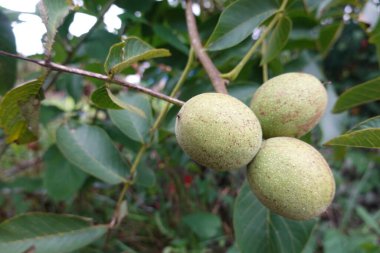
[
  {"x": 289, "y": 104},
  {"x": 218, "y": 131},
  {"x": 291, "y": 178}
]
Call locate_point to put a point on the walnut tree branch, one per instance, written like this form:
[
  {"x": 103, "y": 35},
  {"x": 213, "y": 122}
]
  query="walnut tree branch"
[
  {"x": 81, "y": 72},
  {"x": 213, "y": 73}
]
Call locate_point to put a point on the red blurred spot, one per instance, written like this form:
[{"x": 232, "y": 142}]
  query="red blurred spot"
[
  {"x": 171, "y": 188},
  {"x": 188, "y": 180},
  {"x": 34, "y": 146},
  {"x": 364, "y": 43}
]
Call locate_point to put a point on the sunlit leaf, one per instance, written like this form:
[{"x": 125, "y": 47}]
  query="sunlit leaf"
[
  {"x": 237, "y": 22},
  {"x": 91, "y": 149},
  {"x": 123, "y": 54},
  {"x": 366, "y": 135},
  {"x": 47, "y": 233},
  {"x": 19, "y": 111},
  {"x": 278, "y": 39},
  {"x": 8, "y": 65},
  {"x": 358, "y": 95},
  {"x": 259, "y": 230},
  {"x": 52, "y": 13}
]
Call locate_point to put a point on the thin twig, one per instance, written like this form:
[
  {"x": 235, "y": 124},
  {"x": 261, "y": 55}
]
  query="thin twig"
[
  {"x": 234, "y": 73},
  {"x": 265, "y": 65},
  {"x": 144, "y": 147},
  {"x": 136, "y": 162},
  {"x": 127, "y": 184},
  {"x": 213, "y": 73},
  {"x": 81, "y": 72},
  {"x": 82, "y": 39},
  {"x": 174, "y": 92}
]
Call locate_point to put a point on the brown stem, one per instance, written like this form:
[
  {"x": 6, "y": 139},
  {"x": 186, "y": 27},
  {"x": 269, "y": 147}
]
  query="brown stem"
[
  {"x": 213, "y": 73},
  {"x": 81, "y": 72}
]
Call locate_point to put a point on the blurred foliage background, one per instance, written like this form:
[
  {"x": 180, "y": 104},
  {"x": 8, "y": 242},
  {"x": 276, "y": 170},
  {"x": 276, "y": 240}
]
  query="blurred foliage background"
[{"x": 177, "y": 205}]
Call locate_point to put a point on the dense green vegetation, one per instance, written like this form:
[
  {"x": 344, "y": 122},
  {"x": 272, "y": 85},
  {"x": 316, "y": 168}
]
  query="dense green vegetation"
[{"x": 89, "y": 162}]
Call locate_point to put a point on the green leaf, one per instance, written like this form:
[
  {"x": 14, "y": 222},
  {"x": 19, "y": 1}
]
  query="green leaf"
[
  {"x": 57, "y": 167},
  {"x": 367, "y": 124},
  {"x": 355, "y": 241},
  {"x": 19, "y": 110},
  {"x": 49, "y": 113},
  {"x": 304, "y": 32},
  {"x": 145, "y": 176},
  {"x": 358, "y": 95},
  {"x": 374, "y": 38},
  {"x": 47, "y": 233},
  {"x": 98, "y": 44},
  {"x": 135, "y": 5},
  {"x": 368, "y": 219},
  {"x": 8, "y": 65},
  {"x": 335, "y": 241},
  {"x": 364, "y": 135},
  {"x": 237, "y": 22},
  {"x": 168, "y": 35},
  {"x": 278, "y": 39},
  {"x": 328, "y": 35},
  {"x": 52, "y": 13},
  {"x": 91, "y": 149},
  {"x": 204, "y": 225},
  {"x": 131, "y": 124},
  {"x": 71, "y": 84},
  {"x": 259, "y": 230},
  {"x": 123, "y": 54},
  {"x": 103, "y": 98},
  {"x": 310, "y": 5}
]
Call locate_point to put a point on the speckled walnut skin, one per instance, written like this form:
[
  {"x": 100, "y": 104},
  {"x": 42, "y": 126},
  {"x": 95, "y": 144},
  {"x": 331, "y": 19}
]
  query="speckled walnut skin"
[
  {"x": 218, "y": 131},
  {"x": 291, "y": 178},
  {"x": 289, "y": 104}
]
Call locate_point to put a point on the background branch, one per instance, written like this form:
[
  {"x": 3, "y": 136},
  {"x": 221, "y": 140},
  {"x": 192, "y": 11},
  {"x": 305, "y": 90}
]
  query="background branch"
[
  {"x": 82, "y": 39},
  {"x": 81, "y": 72},
  {"x": 22, "y": 166},
  {"x": 234, "y": 73},
  {"x": 213, "y": 73}
]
